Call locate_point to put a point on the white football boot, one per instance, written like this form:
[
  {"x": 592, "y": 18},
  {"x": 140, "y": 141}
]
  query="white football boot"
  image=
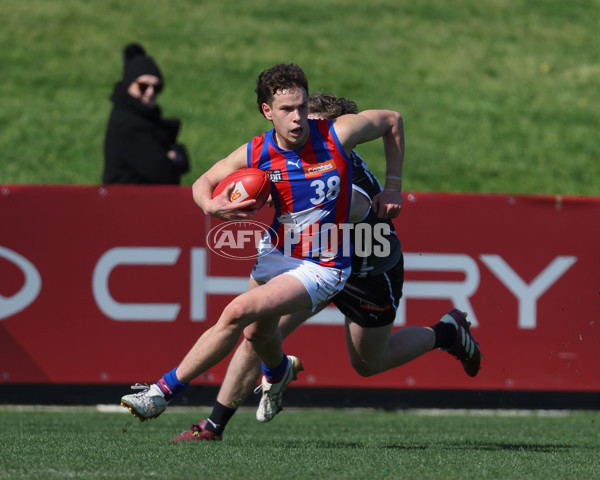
[
  {"x": 147, "y": 404},
  {"x": 271, "y": 401}
]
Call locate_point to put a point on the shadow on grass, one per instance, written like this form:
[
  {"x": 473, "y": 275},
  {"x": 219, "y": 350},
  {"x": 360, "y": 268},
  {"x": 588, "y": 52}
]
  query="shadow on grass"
[
  {"x": 515, "y": 447},
  {"x": 469, "y": 445},
  {"x": 325, "y": 444},
  {"x": 500, "y": 446}
]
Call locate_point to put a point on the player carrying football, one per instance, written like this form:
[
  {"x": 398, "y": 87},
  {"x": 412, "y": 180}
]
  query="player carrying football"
[
  {"x": 282, "y": 284},
  {"x": 368, "y": 301}
]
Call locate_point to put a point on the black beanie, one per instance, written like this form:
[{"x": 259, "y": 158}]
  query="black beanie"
[{"x": 137, "y": 63}]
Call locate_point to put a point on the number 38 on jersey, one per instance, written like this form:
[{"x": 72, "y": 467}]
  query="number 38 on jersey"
[{"x": 325, "y": 190}]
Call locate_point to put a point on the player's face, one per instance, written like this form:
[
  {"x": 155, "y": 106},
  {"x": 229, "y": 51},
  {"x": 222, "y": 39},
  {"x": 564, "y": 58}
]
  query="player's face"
[{"x": 289, "y": 114}]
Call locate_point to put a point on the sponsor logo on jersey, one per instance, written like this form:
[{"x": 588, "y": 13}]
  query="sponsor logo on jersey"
[
  {"x": 319, "y": 169},
  {"x": 275, "y": 175}
]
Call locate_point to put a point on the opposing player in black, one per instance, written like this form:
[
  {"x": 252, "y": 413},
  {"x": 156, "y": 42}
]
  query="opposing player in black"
[{"x": 368, "y": 301}]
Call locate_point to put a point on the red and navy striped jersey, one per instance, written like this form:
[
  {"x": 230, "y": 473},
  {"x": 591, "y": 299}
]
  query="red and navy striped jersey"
[{"x": 311, "y": 190}]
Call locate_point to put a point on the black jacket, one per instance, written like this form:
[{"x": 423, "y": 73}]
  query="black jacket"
[{"x": 137, "y": 141}]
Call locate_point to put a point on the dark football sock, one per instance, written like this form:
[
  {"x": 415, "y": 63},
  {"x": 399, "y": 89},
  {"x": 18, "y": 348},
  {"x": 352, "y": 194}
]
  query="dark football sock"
[
  {"x": 219, "y": 417},
  {"x": 445, "y": 335}
]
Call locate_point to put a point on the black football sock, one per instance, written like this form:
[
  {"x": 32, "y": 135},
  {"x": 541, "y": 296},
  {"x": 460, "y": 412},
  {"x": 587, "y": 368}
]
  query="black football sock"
[
  {"x": 445, "y": 335},
  {"x": 219, "y": 417}
]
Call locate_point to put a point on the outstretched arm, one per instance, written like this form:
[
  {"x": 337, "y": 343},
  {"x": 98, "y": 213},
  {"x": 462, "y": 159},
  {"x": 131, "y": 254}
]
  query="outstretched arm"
[{"x": 370, "y": 125}]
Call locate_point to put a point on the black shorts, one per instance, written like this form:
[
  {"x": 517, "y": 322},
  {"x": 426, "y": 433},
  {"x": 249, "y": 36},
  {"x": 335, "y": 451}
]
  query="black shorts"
[{"x": 372, "y": 301}]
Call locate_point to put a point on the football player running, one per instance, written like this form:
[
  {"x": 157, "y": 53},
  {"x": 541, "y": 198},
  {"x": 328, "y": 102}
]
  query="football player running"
[
  {"x": 368, "y": 301},
  {"x": 292, "y": 276}
]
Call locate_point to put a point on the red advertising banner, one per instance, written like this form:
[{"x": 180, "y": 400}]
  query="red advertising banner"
[{"x": 111, "y": 285}]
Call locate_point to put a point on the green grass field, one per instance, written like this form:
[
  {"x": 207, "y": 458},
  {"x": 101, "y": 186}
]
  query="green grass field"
[
  {"x": 309, "y": 444},
  {"x": 497, "y": 96}
]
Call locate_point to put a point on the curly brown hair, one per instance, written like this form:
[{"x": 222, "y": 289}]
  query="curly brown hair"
[
  {"x": 330, "y": 106},
  {"x": 278, "y": 77}
]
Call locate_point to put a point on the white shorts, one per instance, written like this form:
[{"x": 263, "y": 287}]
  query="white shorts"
[{"x": 321, "y": 283}]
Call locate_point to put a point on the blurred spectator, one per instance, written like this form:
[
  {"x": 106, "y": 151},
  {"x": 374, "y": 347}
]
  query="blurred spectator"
[{"x": 140, "y": 145}]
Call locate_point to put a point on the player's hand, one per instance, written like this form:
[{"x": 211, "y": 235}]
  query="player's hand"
[
  {"x": 387, "y": 204},
  {"x": 222, "y": 207}
]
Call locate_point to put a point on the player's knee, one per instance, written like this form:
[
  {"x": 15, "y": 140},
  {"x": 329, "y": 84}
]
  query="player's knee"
[
  {"x": 246, "y": 345},
  {"x": 363, "y": 368},
  {"x": 236, "y": 313},
  {"x": 251, "y": 337},
  {"x": 258, "y": 335}
]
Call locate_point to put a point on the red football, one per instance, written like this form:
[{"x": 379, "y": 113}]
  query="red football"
[{"x": 249, "y": 183}]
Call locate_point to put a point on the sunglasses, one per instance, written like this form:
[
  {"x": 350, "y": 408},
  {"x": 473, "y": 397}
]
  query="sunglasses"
[{"x": 143, "y": 86}]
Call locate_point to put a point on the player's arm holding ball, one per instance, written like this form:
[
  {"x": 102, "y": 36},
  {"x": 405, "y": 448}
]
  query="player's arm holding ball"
[{"x": 221, "y": 206}]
